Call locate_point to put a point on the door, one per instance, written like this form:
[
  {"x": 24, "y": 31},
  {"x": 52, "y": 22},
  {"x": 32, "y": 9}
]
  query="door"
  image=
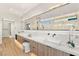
[{"x": 6, "y": 29}]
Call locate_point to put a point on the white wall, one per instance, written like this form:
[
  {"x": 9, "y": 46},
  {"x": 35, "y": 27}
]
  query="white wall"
[
  {"x": 6, "y": 27},
  {"x": 17, "y": 26},
  {"x": 12, "y": 29},
  {"x": 0, "y": 30}
]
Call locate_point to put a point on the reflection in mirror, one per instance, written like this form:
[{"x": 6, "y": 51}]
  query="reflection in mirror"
[
  {"x": 57, "y": 24},
  {"x": 27, "y": 26},
  {"x": 45, "y": 23}
]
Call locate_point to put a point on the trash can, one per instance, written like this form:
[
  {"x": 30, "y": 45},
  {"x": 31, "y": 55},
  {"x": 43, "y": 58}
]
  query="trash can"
[{"x": 26, "y": 47}]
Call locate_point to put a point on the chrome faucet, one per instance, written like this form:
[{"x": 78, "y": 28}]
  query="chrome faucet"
[
  {"x": 71, "y": 44},
  {"x": 53, "y": 35},
  {"x": 37, "y": 25}
]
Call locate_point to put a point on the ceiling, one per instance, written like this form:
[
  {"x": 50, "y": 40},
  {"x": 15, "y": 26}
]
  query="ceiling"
[
  {"x": 17, "y": 11},
  {"x": 14, "y": 11}
]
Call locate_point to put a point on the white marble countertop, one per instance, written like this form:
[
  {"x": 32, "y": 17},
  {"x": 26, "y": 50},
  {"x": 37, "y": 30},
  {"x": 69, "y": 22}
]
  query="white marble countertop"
[{"x": 41, "y": 39}]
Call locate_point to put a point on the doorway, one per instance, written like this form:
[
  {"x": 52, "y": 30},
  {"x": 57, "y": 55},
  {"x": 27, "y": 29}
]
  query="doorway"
[{"x": 6, "y": 29}]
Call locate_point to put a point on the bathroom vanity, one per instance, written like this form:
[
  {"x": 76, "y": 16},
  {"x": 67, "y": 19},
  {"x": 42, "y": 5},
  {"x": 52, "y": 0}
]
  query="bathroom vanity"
[
  {"x": 40, "y": 49},
  {"x": 20, "y": 39},
  {"x": 42, "y": 45},
  {"x": 44, "y": 50}
]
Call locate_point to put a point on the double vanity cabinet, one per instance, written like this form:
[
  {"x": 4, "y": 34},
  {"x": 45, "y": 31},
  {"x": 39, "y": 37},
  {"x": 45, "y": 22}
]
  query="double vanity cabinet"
[
  {"x": 44, "y": 50},
  {"x": 40, "y": 49}
]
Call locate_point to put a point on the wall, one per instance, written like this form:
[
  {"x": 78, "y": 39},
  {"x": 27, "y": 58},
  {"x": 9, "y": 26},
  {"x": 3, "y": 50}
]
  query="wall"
[
  {"x": 17, "y": 26},
  {"x": 13, "y": 29},
  {"x": 6, "y": 28},
  {"x": 0, "y": 30}
]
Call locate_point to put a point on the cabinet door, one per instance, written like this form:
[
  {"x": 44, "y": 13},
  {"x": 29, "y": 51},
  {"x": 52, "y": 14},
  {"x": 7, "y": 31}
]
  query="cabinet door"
[
  {"x": 46, "y": 50},
  {"x": 20, "y": 39},
  {"x": 50, "y": 51},
  {"x": 61, "y": 53},
  {"x": 58, "y": 52},
  {"x": 33, "y": 46},
  {"x": 43, "y": 50},
  {"x": 40, "y": 49},
  {"x": 55, "y": 52}
]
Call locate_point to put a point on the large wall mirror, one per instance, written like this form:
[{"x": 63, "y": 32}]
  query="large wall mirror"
[
  {"x": 65, "y": 17},
  {"x": 65, "y": 23}
]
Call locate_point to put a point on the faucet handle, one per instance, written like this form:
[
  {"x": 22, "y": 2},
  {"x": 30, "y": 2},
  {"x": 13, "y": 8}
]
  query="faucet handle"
[
  {"x": 71, "y": 44},
  {"x": 53, "y": 35},
  {"x": 48, "y": 33}
]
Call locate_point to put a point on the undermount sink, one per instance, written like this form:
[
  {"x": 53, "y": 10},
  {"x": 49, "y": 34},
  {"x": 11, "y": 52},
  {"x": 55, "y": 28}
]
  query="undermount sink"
[
  {"x": 58, "y": 38},
  {"x": 53, "y": 40}
]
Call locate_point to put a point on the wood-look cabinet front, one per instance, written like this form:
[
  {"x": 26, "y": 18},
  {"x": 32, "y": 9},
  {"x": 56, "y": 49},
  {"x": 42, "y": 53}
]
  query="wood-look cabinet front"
[
  {"x": 50, "y": 51},
  {"x": 43, "y": 50},
  {"x": 20, "y": 39},
  {"x": 34, "y": 47},
  {"x": 60, "y": 53}
]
